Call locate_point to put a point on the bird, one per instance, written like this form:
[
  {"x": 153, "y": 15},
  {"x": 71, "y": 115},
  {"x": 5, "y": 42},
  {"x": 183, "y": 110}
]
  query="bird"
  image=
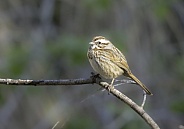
[{"x": 109, "y": 61}]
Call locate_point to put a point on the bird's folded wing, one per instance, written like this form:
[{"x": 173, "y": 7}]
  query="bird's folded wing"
[{"x": 119, "y": 59}]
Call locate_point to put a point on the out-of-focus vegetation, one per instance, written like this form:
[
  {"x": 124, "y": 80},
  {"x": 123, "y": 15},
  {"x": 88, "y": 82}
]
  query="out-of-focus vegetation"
[{"x": 48, "y": 39}]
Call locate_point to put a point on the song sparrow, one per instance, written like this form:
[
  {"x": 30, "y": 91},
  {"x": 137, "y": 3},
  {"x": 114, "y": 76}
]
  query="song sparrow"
[{"x": 109, "y": 62}]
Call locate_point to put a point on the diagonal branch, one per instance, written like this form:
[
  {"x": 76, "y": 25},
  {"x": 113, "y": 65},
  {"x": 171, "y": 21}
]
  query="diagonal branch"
[
  {"x": 93, "y": 79},
  {"x": 130, "y": 103}
]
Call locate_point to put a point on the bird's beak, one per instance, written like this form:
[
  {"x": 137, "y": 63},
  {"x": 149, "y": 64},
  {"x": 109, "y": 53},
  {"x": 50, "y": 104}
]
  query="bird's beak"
[{"x": 91, "y": 43}]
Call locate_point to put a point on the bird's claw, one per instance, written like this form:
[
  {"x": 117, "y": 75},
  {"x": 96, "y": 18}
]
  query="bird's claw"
[{"x": 93, "y": 75}]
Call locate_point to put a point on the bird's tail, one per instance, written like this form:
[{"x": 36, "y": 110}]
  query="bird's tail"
[{"x": 140, "y": 84}]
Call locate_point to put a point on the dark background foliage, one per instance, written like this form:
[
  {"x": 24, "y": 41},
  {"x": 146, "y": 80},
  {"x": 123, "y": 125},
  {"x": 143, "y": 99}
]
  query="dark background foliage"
[{"x": 48, "y": 39}]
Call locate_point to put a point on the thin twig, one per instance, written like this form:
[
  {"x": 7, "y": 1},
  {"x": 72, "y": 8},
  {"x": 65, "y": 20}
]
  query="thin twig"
[
  {"x": 144, "y": 99},
  {"x": 55, "y": 125},
  {"x": 126, "y": 81}
]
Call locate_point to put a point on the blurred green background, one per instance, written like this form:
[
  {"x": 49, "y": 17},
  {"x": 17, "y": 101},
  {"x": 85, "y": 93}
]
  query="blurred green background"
[{"x": 48, "y": 39}]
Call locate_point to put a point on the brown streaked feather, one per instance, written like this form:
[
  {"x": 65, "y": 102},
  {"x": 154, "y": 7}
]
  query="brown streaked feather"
[
  {"x": 119, "y": 59},
  {"x": 98, "y": 37}
]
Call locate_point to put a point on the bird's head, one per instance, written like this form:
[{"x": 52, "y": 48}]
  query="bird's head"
[{"x": 100, "y": 42}]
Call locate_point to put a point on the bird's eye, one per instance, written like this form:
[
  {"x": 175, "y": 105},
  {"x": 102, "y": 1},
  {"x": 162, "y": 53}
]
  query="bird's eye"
[{"x": 99, "y": 42}]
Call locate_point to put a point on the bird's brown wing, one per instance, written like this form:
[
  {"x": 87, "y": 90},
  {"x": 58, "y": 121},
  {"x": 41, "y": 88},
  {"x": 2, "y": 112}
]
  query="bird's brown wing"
[{"x": 119, "y": 59}]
